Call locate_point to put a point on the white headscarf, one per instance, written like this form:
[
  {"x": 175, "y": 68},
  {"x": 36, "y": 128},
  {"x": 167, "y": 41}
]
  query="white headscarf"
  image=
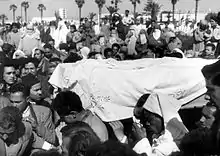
[
  {"x": 19, "y": 54},
  {"x": 85, "y": 52}
]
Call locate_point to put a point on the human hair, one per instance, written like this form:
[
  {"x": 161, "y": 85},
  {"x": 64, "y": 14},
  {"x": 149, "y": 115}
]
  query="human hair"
[
  {"x": 116, "y": 45},
  {"x": 73, "y": 26},
  {"x": 32, "y": 60},
  {"x": 211, "y": 70},
  {"x": 91, "y": 54},
  {"x": 64, "y": 46},
  {"x": 72, "y": 58},
  {"x": 55, "y": 59},
  {"x": 8, "y": 63},
  {"x": 81, "y": 135},
  {"x": 20, "y": 87},
  {"x": 198, "y": 142},
  {"x": 214, "y": 18},
  {"x": 52, "y": 152},
  {"x": 72, "y": 46},
  {"x": 210, "y": 45},
  {"x": 110, "y": 148},
  {"x": 51, "y": 39},
  {"x": 47, "y": 46},
  {"x": 10, "y": 119},
  {"x": 67, "y": 101},
  {"x": 15, "y": 25},
  {"x": 106, "y": 51}
]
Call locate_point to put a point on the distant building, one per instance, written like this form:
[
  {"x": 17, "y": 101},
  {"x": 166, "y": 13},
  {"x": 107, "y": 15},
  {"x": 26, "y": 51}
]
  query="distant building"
[{"x": 63, "y": 13}]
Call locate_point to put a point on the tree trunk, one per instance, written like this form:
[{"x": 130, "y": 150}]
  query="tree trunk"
[
  {"x": 13, "y": 15},
  {"x": 21, "y": 14},
  {"x": 80, "y": 11},
  {"x": 135, "y": 13},
  {"x": 196, "y": 10},
  {"x": 41, "y": 16},
  {"x": 173, "y": 13},
  {"x": 100, "y": 14},
  {"x": 3, "y": 21},
  {"x": 25, "y": 12},
  {"x": 116, "y": 5}
]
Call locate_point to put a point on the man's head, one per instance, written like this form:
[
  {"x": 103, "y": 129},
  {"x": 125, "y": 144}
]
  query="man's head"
[
  {"x": 77, "y": 137},
  {"x": 213, "y": 90},
  {"x": 53, "y": 63},
  {"x": 210, "y": 49},
  {"x": 9, "y": 74},
  {"x": 34, "y": 87},
  {"x": 115, "y": 48},
  {"x": 214, "y": 21},
  {"x": 48, "y": 50},
  {"x": 72, "y": 28},
  {"x": 114, "y": 32},
  {"x": 15, "y": 27},
  {"x": 64, "y": 47},
  {"x": 8, "y": 49},
  {"x": 51, "y": 42},
  {"x": 18, "y": 96},
  {"x": 174, "y": 42},
  {"x": 126, "y": 12},
  {"x": 8, "y": 27},
  {"x": 10, "y": 120},
  {"x": 67, "y": 104},
  {"x": 138, "y": 21},
  {"x": 31, "y": 66},
  {"x": 105, "y": 20},
  {"x": 38, "y": 54},
  {"x": 108, "y": 53},
  {"x": 153, "y": 123},
  {"x": 208, "y": 116}
]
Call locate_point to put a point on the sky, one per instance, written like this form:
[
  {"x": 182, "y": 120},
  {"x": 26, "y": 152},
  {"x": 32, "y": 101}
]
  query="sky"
[{"x": 90, "y": 6}]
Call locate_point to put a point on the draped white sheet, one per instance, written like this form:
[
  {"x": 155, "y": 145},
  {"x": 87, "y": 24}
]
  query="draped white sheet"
[{"x": 111, "y": 88}]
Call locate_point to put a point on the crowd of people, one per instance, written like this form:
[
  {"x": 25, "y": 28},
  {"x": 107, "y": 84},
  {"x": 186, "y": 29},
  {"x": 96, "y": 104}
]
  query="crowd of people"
[{"x": 39, "y": 120}]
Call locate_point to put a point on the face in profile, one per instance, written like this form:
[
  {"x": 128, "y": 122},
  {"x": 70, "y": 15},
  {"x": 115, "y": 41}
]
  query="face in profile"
[
  {"x": 208, "y": 116},
  {"x": 35, "y": 92},
  {"x": 213, "y": 93},
  {"x": 153, "y": 123}
]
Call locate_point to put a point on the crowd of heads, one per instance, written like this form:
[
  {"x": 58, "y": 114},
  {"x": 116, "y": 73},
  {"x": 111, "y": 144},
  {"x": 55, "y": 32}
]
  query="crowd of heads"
[{"x": 35, "y": 113}]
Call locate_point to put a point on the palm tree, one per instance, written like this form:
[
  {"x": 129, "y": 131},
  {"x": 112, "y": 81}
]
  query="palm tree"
[
  {"x": 25, "y": 5},
  {"x": 80, "y": 5},
  {"x": 41, "y": 8},
  {"x": 3, "y": 17},
  {"x": 134, "y": 2},
  {"x": 196, "y": 9},
  {"x": 174, "y": 4},
  {"x": 152, "y": 8},
  {"x": 13, "y": 7},
  {"x": 111, "y": 10},
  {"x": 116, "y": 3},
  {"x": 100, "y": 4},
  {"x": 91, "y": 16}
]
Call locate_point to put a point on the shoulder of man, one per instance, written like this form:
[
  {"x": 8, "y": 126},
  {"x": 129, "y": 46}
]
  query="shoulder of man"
[{"x": 40, "y": 109}]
